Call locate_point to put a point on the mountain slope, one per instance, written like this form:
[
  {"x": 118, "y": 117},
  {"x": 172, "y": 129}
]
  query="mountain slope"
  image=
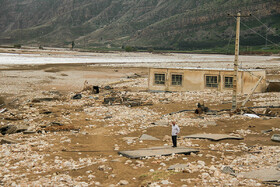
[{"x": 169, "y": 24}]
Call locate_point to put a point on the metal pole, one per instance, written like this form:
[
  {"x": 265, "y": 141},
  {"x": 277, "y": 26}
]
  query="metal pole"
[{"x": 235, "y": 75}]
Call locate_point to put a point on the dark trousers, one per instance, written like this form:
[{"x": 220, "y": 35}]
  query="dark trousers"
[{"x": 174, "y": 141}]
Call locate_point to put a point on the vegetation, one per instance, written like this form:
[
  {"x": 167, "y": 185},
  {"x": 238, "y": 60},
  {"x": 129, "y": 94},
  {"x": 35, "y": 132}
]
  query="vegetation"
[{"x": 182, "y": 25}]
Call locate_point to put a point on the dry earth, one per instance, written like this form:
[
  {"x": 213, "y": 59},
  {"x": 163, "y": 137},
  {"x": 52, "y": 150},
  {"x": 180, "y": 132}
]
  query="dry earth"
[{"x": 83, "y": 151}]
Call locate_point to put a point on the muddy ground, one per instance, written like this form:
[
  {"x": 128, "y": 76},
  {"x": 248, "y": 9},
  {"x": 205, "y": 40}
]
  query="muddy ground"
[{"x": 76, "y": 142}]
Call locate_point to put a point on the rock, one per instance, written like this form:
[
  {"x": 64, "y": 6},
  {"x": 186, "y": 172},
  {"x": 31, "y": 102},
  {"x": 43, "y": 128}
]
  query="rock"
[
  {"x": 166, "y": 138},
  {"x": 147, "y": 137},
  {"x": 123, "y": 182},
  {"x": 228, "y": 170},
  {"x": 275, "y": 137},
  {"x": 164, "y": 182},
  {"x": 178, "y": 167},
  {"x": 77, "y": 96}
]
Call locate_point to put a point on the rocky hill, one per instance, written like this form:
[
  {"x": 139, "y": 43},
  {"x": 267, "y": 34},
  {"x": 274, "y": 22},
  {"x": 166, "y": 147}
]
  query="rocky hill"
[{"x": 162, "y": 24}]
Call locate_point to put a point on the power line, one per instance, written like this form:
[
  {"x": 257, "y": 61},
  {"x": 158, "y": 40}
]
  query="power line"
[
  {"x": 264, "y": 25},
  {"x": 258, "y": 34}
]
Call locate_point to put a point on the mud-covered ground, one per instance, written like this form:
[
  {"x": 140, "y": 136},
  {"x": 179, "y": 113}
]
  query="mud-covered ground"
[{"x": 76, "y": 142}]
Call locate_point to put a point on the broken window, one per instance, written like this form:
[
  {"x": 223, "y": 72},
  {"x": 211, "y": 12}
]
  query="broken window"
[
  {"x": 228, "y": 82},
  {"x": 176, "y": 79},
  {"x": 159, "y": 78},
  {"x": 212, "y": 81}
]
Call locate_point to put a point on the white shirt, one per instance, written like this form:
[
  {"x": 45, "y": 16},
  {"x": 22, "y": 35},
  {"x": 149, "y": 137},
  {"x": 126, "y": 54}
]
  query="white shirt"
[{"x": 175, "y": 130}]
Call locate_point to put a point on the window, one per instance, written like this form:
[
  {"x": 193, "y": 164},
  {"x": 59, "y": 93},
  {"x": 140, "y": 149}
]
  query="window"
[
  {"x": 228, "y": 82},
  {"x": 176, "y": 79},
  {"x": 159, "y": 78},
  {"x": 212, "y": 81}
]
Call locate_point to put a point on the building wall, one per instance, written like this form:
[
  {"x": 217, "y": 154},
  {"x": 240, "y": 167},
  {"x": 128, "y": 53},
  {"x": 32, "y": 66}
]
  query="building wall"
[{"x": 194, "y": 80}]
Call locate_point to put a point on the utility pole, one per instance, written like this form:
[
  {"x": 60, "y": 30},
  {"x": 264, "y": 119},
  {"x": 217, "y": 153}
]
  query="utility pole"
[{"x": 235, "y": 74}]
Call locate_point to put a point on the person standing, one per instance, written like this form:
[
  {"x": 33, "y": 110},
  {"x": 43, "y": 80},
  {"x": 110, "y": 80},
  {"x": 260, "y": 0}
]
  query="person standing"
[{"x": 174, "y": 133}]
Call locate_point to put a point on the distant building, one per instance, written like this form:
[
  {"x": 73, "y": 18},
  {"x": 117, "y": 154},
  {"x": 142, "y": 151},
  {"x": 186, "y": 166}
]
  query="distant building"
[{"x": 195, "y": 79}]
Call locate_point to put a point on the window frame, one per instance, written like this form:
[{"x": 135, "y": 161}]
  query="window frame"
[
  {"x": 217, "y": 82},
  {"x": 177, "y": 74},
  {"x": 155, "y": 83},
  {"x": 225, "y": 82}
]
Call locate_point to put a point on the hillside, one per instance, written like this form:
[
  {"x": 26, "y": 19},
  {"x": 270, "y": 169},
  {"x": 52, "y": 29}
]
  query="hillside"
[{"x": 162, "y": 24}]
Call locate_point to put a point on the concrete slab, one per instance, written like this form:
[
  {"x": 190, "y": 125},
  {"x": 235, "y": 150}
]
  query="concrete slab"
[
  {"x": 214, "y": 137},
  {"x": 264, "y": 175},
  {"x": 275, "y": 137},
  {"x": 147, "y": 137},
  {"x": 157, "y": 151}
]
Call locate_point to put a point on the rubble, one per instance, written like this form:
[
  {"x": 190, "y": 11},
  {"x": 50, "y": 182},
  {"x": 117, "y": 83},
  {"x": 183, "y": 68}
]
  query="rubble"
[{"x": 44, "y": 124}]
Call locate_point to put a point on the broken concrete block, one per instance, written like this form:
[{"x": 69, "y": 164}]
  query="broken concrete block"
[
  {"x": 147, "y": 137},
  {"x": 214, "y": 137},
  {"x": 157, "y": 151},
  {"x": 265, "y": 175},
  {"x": 275, "y": 137}
]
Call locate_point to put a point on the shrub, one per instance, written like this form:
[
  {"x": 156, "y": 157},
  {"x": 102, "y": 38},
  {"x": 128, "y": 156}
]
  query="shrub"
[{"x": 17, "y": 46}]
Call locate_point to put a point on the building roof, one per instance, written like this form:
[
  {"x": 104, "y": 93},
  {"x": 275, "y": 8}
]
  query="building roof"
[{"x": 199, "y": 68}]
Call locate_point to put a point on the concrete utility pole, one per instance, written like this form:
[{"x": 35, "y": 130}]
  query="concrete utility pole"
[{"x": 235, "y": 75}]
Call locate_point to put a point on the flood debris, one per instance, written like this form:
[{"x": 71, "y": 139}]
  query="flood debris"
[
  {"x": 157, "y": 151},
  {"x": 201, "y": 109},
  {"x": 8, "y": 141},
  {"x": 213, "y": 137},
  {"x": 3, "y": 110},
  {"x": 38, "y": 100}
]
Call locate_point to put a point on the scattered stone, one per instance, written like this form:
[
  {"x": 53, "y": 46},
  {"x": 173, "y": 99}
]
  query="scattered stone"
[
  {"x": 179, "y": 167},
  {"x": 147, "y": 137}
]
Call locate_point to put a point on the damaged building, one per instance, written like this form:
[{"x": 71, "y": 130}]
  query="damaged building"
[{"x": 196, "y": 79}]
